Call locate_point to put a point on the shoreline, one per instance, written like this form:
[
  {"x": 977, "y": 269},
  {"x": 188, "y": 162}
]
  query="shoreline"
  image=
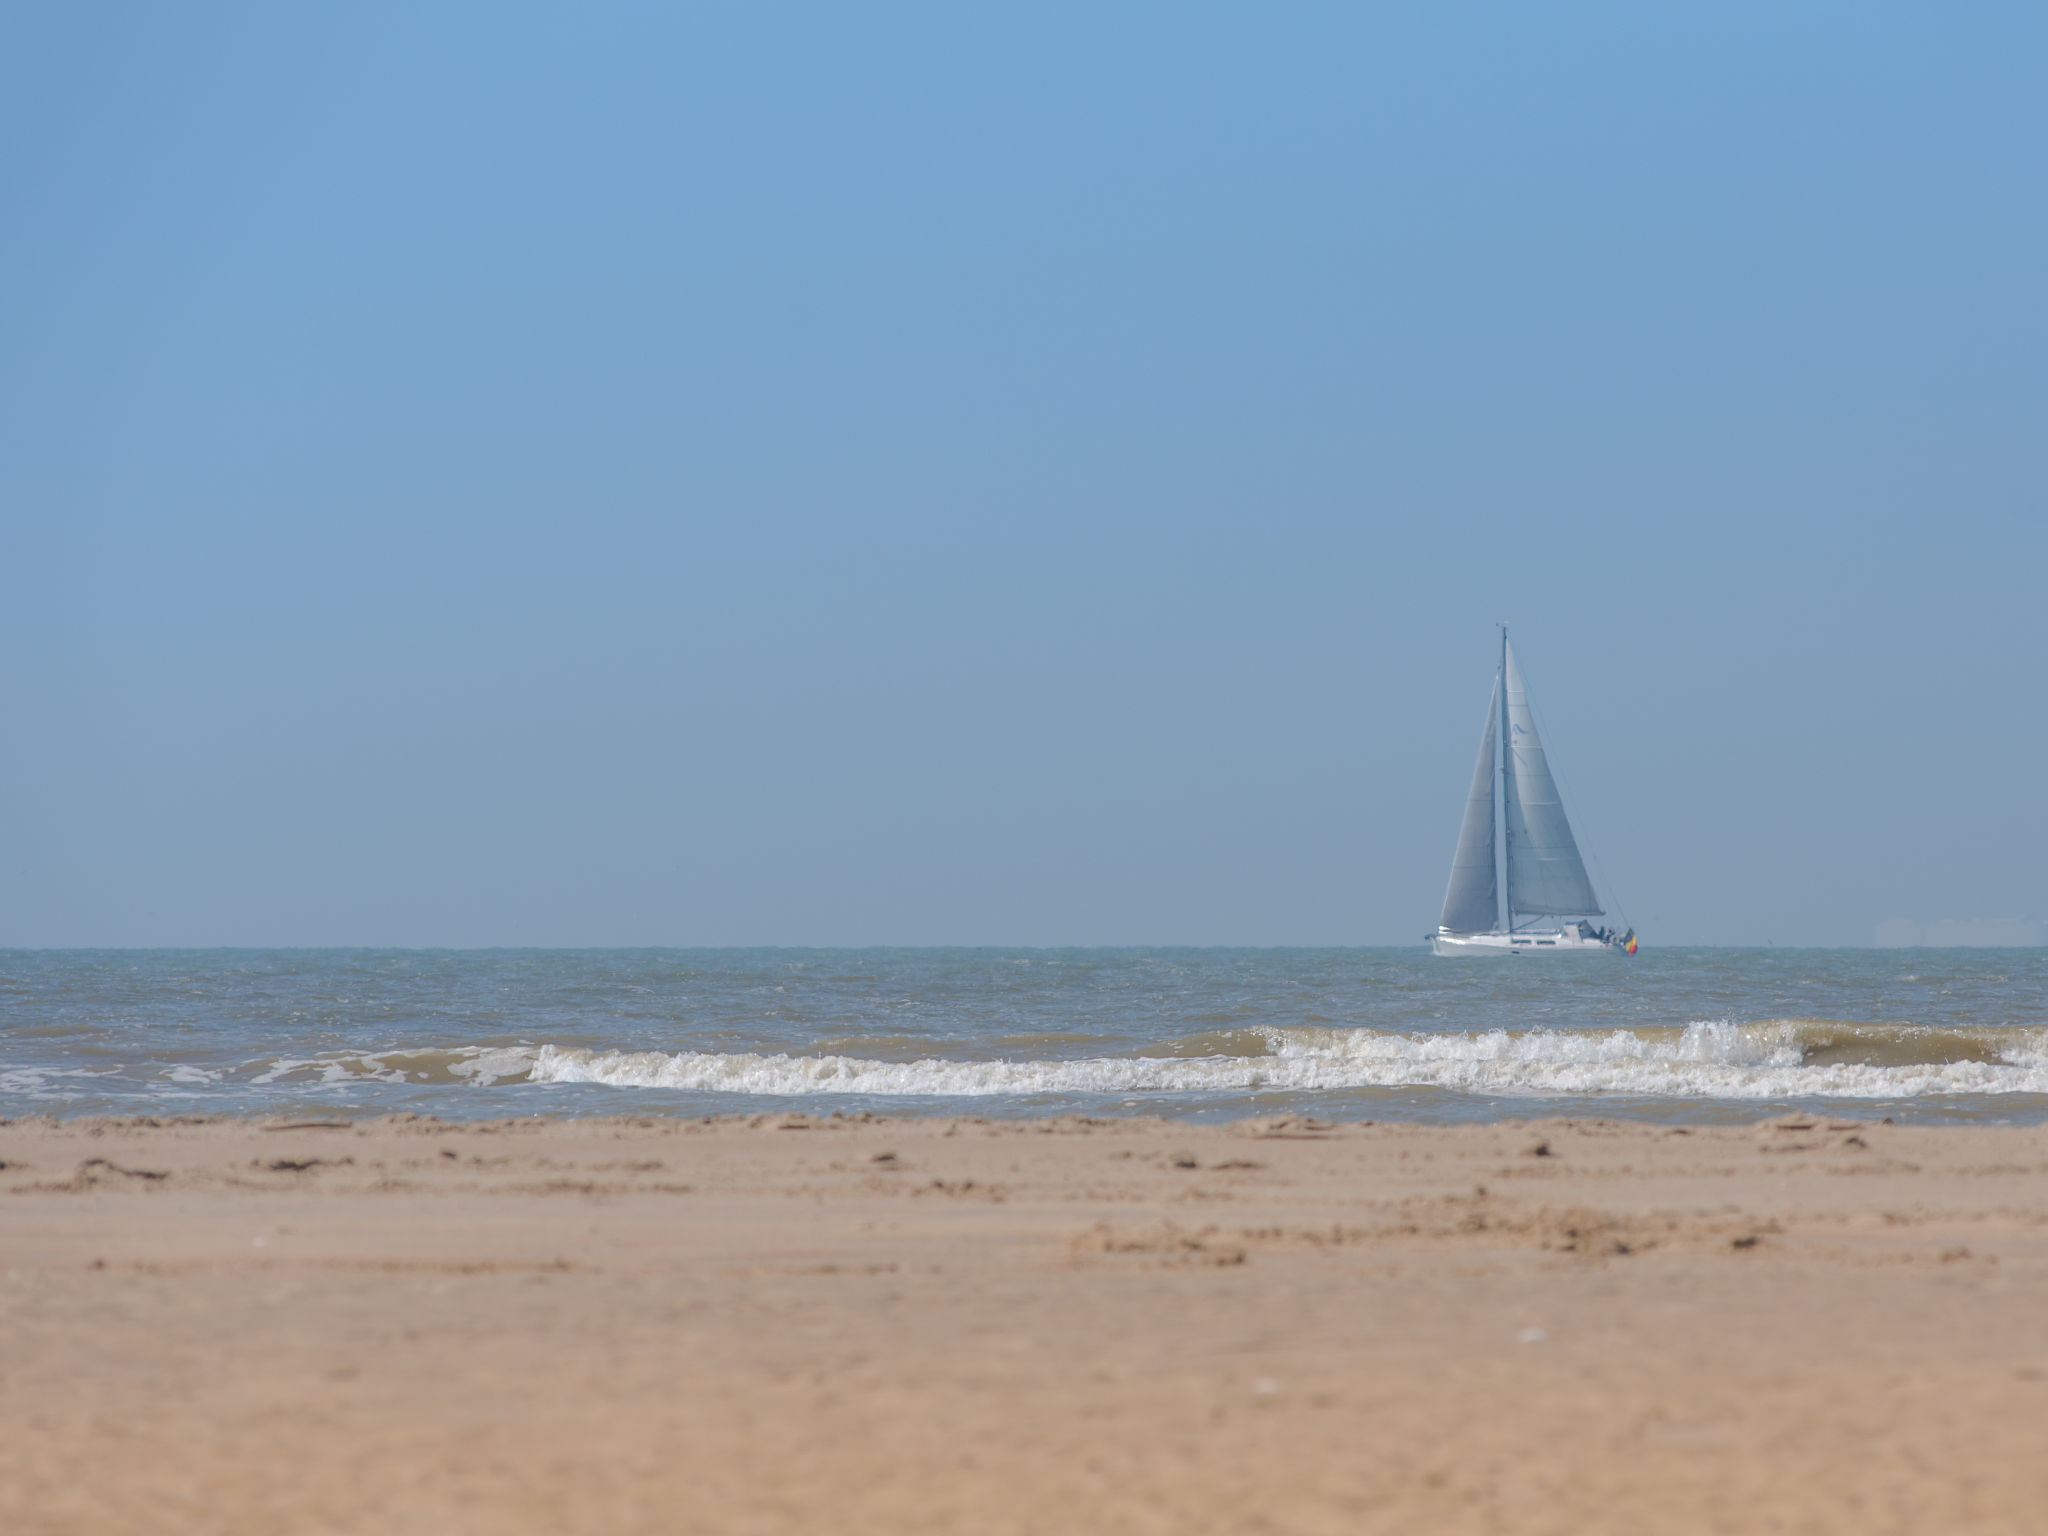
[
  {"x": 1421, "y": 1107},
  {"x": 779, "y": 1321}
]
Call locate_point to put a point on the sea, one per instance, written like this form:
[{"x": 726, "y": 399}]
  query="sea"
[{"x": 1674, "y": 1035}]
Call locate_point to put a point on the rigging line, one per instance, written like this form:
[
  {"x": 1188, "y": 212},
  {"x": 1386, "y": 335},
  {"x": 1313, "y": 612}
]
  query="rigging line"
[{"x": 1620, "y": 906}]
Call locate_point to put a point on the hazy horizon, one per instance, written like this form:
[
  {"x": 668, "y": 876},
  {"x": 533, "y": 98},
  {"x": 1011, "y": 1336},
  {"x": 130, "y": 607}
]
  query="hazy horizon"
[
  {"x": 491, "y": 476},
  {"x": 430, "y": 949}
]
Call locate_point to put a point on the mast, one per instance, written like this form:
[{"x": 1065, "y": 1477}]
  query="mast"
[{"x": 1507, "y": 836}]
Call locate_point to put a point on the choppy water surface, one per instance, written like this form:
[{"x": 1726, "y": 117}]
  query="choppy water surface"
[{"x": 1951, "y": 1035}]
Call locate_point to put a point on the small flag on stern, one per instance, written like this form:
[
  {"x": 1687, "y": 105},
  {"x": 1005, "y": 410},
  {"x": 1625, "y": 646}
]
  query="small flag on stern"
[{"x": 1628, "y": 942}]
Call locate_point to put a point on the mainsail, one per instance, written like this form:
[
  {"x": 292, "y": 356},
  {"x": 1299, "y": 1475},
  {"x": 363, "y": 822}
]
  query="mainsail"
[
  {"x": 1546, "y": 876},
  {"x": 1472, "y": 904}
]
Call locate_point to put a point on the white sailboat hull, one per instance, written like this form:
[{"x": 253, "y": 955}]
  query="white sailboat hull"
[{"x": 1526, "y": 941}]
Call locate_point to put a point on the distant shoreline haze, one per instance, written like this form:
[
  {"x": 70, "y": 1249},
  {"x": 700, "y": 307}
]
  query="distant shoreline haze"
[
  {"x": 1898, "y": 933},
  {"x": 1961, "y": 933}
]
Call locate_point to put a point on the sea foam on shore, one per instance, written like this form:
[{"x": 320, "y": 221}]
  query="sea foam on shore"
[{"x": 1788, "y": 1058}]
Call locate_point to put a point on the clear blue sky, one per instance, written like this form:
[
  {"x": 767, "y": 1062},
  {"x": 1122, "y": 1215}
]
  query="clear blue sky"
[{"x": 755, "y": 474}]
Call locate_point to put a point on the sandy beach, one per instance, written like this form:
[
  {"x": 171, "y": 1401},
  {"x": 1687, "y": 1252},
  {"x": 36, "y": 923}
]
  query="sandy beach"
[{"x": 793, "y": 1323}]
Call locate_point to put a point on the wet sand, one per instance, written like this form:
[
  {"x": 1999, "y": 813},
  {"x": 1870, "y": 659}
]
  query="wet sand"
[{"x": 899, "y": 1325}]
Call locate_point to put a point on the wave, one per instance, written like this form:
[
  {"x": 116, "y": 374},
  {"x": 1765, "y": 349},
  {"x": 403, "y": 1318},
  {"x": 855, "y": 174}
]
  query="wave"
[
  {"x": 1769, "y": 1059},
  {"x": 59, "y": 1083},
  {"x": 479, "y": 1065},
  {"x": 1773, "y": 1059}
]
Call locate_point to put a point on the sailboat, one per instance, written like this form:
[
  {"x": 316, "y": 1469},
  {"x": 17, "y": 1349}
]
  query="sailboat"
[{"x": 1535, "y": 878}]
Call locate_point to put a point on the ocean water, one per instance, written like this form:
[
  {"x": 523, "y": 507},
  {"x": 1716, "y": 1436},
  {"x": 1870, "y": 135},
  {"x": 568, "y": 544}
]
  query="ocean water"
[{"x": 1358, "y": 1034}]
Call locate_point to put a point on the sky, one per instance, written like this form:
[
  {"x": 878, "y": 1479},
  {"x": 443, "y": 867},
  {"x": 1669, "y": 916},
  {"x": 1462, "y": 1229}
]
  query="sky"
[{"x": 761, "y": 474}]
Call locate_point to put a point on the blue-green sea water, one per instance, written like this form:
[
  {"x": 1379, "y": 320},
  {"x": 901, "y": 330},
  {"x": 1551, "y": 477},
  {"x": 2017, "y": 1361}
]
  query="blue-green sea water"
[{"x": 1360, "y": 1034}]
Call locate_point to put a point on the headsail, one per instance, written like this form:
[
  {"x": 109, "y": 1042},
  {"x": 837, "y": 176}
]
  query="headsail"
[
  {"x": 1546, "y": 876},
  {"x": 1472, "y": 904}
]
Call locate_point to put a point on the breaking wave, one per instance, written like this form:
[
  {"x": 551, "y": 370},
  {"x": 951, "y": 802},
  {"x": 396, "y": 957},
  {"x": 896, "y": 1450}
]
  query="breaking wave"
[{"x": 1773, "y": 1059}]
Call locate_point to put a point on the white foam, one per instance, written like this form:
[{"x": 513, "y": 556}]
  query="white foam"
[
  {"x": 46, "y": 1082},
  {"x": 1704, "y": 1060},
  {"x": 510, "y": 1063},
  {"x": 481, "y": 1065}
]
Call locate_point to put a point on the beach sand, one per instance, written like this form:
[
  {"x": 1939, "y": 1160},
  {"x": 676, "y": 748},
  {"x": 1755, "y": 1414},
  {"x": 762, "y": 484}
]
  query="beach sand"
[{"x": 793, "y": 1324}]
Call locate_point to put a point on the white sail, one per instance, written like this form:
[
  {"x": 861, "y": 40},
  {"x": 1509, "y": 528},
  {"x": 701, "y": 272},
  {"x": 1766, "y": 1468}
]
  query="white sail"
[
  {"x": 1546, "y": 876},
  {"x": 1472, "y": 904}
]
